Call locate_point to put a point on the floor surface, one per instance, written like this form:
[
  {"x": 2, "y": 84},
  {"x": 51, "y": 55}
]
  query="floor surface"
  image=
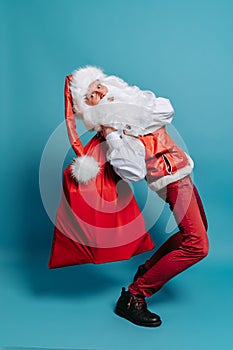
[{"x": 72, "y": 308}]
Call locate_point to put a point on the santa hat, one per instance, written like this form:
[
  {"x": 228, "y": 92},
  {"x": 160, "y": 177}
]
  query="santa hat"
[
  {"x": 84, "y": 168},
  {"x": 81, "y": 79}
]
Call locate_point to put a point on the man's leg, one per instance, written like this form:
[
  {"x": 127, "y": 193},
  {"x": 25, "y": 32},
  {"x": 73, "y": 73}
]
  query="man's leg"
[
  {"x": 175, "y": 240},
  {"x": 183, "y": 249}
]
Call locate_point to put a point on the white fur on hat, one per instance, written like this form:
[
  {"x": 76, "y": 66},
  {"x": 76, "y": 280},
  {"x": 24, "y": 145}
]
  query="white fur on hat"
[
  {"x": 84, "y": 169},
  {"x": 81, "y": 79}
]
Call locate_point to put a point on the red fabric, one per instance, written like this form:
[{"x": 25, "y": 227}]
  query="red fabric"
[
  {"x": 70, "y": 120},
  {"x": 97, "y": 222},
  {"x": 182, "y": 250},
  {"x": 100, "y": 221},
  {"x": 163, "y": 156}
]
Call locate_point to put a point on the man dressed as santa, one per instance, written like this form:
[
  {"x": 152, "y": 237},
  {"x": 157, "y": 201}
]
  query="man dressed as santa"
[{"x": 133, "y": 123}]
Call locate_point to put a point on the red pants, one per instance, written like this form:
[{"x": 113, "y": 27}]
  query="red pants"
[{"x": 184, "y": 248}]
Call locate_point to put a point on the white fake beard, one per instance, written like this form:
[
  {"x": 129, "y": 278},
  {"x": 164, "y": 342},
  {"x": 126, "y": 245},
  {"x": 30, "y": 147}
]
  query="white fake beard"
[
  {"x": 122, "y": 92},
  {"x": 122, "y": 104}
]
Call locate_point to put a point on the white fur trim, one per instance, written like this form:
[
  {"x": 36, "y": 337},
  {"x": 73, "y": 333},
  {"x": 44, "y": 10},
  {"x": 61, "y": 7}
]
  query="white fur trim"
[
  {"x": 166, "y": 180},
  {"x": 81, "y": 79},
  {"x": 84, "y": 169}
]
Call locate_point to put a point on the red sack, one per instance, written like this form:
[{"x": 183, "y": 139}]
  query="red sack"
[{"x": 99, "y": 221}]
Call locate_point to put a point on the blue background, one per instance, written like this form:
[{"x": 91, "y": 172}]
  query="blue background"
[{"x": 179, "y": 49}]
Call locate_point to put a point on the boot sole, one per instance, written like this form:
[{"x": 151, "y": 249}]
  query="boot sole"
[{"x": 121, "y": 313}]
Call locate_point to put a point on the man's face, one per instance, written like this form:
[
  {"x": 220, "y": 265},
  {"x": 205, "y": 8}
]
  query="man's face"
[{"x": 95, "y": 93}]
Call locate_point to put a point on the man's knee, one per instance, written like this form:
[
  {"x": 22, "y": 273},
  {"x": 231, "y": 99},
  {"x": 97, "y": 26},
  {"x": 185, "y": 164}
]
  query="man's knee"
[
  {"x": 197, "y": 248},
  {"x": 203, "y": 247}
]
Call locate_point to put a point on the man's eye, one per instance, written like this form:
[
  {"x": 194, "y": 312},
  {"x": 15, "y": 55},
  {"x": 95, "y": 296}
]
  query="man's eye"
[
  {"x": 92, "y": 95},
  {"x": 98, "y": 87}
]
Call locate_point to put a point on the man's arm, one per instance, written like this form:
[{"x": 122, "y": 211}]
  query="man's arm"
[
  {"x": 164, "y": 110},
  {"x": 126, "y": 154}
]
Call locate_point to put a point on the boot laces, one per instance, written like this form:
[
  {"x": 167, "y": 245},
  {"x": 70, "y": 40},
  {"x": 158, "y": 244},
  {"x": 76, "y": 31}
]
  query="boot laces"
[{"x": 138, "y": 300}]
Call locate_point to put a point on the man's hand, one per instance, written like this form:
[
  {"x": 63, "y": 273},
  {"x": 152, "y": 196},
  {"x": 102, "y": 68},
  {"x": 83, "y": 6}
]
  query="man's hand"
[{"x": 106, "y": 130}]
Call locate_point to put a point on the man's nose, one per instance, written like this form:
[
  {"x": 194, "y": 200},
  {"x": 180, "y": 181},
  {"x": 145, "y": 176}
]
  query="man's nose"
[{"x": 100, "y": 92}]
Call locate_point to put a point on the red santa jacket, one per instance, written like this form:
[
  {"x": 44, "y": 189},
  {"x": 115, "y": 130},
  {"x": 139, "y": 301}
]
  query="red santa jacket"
[{"x": 165, "y": 161}]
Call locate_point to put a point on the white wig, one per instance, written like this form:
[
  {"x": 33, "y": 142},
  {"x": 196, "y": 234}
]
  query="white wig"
[{"x": 81, "y": 79}]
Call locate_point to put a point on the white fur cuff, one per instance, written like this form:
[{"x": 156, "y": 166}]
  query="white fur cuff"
[{"x": 84, "y": 169}]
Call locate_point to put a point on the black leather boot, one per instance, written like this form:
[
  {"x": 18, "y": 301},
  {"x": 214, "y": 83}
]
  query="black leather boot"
[
  {"x": 140, "y": 272},
  {"x": 134, "y": 309}
]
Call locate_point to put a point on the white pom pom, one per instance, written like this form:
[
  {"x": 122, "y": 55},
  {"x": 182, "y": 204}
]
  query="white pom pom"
[{"x": 84, "y": 169}]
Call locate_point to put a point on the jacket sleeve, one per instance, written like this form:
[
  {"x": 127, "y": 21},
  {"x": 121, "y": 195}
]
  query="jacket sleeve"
[
  {"x": 70, "y": 120},
  {"x": 127, "y": 156},
  {"x": 164, "y": 110}
]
